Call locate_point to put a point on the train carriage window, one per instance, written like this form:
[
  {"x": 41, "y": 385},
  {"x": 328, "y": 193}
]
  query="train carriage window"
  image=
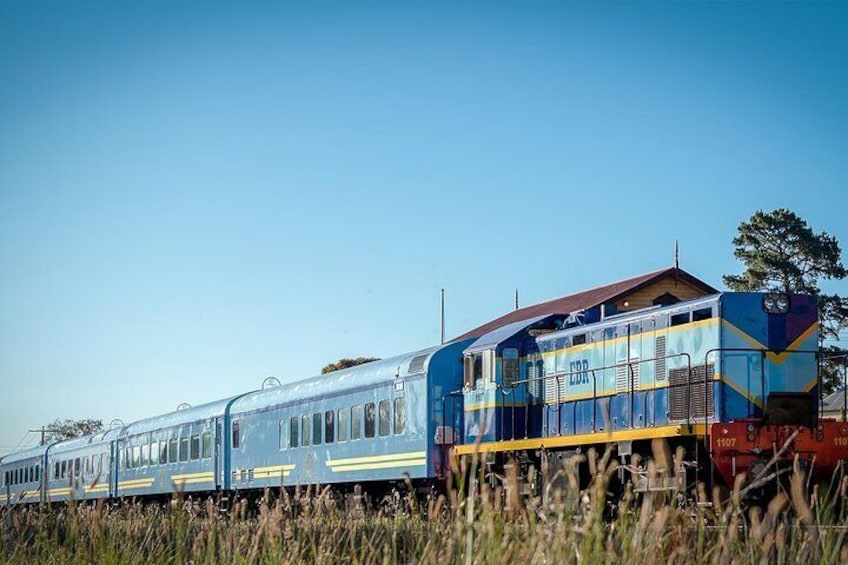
[
  {"x": 163, "y": 452},
  {"x": 183, "y": 449},
  {"x": 172, "y": 450},
  {"x": 702, "y": 314},
  {"x": 77, "y": 467},
  {"x": 355, "y": 422},
  {"x": 136, "y": 456},
  {"x": 317, "y": 426},
  {"x": 680, "y": 319},
  {"x": 145, "y": 451},
  {"x": 284, "y": 434},
  {"x": 206, "y": 445},
  {"x": 293, "y": 429},
  {"x": 37, "y": 473},
  {"x": 64, "y": 469},
  {"x": 329, "y": 426},
  {"x": 343, "y": 417},
  {"x": 236, "y": 434},
  {"x": 56, "y": 470},
  {"x": 510, "y": 366},
  {"x": 400, "y": 416},
  {"x": 370, "y": 418},
  {"x": 385, "y": 418},
  {"x": 154, "y": 453},
  {"x": 195, "y": 447},
  {"x": 306, "y": 430},
  {"x": 86, "y": 466}
]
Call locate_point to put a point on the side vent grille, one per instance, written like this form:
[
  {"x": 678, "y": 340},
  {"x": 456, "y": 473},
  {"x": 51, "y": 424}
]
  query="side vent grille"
[
  {"x": 659, "y": 354},
  {"x": 688, "y": 401},
  {"x": 627, "y": 374},
  {"x": 417, "y": 364}
]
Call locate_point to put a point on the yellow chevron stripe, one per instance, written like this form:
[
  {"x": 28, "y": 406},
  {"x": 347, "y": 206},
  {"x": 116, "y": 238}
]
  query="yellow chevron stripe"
[
  {"x": 376, "y": 458},
  {"x": 776, "y": 358}
]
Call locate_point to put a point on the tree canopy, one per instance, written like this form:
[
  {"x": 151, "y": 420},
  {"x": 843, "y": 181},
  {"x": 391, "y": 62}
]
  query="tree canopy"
[
  {"x": 781, "y": 252},
  {"x": 61, "y": 430},
  {"x": 346, "y": 363}
]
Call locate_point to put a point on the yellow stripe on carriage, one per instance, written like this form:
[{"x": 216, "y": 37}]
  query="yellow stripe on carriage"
[
  {"x": 389, "y": 461},
  {"x": 273, "y": 472},
  {"x": 137, "y": 483},
  {"x": 376, "y": 458}
]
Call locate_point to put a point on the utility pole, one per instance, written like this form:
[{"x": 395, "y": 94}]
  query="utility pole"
[
  {"x": 443, "y": 316},
  {"x": 43, "y": 430}
]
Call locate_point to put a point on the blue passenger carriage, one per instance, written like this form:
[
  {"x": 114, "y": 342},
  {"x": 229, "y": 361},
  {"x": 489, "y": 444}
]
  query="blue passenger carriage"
[
  {"x": 373, "y": 422},
  {"x": 182, "y": 451},
  {"x": 81, "y": 468},
  {"x": 22, "y": 476}
]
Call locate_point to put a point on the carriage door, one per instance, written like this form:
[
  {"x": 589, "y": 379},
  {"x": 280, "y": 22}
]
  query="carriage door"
[{"x": 217, "y": 461}]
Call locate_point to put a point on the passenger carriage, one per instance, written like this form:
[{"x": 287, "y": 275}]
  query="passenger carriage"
[{"x": 372, "y": 422}]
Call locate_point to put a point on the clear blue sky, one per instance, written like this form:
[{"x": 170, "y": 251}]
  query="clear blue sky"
[{"x": 194, "y": 195}]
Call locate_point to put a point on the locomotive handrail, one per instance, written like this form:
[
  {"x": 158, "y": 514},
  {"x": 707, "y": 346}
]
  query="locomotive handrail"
[{"x": 556, "y": 376}]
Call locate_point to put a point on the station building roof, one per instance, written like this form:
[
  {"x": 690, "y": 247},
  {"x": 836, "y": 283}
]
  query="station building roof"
[{"x": 648, "y": 287}]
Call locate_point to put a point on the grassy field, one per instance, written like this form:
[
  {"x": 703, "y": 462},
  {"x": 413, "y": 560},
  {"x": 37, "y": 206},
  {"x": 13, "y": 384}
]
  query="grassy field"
[{"x": 488, "y": 526}]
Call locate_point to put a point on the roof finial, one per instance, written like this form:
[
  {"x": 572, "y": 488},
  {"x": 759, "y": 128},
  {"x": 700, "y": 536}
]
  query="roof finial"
[{"x": 516, "y": 298}]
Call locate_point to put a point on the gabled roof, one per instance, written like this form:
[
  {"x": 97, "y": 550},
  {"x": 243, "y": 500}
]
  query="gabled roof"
[{"x": 588, "y": 299}]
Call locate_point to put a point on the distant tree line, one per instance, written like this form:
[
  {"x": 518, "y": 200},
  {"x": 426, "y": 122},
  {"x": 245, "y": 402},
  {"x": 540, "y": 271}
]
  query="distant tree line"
[{"x": 347, "y": 363}]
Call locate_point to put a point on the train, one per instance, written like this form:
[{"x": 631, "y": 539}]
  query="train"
[{"x": 730, "y": 380}]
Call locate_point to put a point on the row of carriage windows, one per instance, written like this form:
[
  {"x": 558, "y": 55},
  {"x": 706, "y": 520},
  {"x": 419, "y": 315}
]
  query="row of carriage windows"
[
  {"x": 22, "y": 476},
  {"x": 80, "y": 467},
  {"x": 350, "y": 423},
  {"x": 174, "y": 450}
]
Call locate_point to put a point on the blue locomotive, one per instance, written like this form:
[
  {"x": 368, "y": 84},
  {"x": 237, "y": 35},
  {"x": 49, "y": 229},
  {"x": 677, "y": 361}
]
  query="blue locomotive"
[{"x": 728, "y": 377}]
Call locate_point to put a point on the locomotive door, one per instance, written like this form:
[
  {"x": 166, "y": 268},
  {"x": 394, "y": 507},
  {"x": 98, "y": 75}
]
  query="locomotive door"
[{"x": 623, "y": 406}]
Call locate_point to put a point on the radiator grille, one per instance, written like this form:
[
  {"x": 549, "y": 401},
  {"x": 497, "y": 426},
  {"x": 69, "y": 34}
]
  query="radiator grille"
[
  {"x": 623, "y": 372},
  {"x": 682, "y": 397},
  {"x": 659, "y": 354}
]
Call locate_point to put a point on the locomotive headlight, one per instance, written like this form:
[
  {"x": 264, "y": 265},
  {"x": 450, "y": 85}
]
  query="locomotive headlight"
[{"x": 774, "y": 303}]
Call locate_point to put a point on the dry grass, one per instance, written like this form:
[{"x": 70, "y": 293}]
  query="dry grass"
[{"x": 490, "y": 525}]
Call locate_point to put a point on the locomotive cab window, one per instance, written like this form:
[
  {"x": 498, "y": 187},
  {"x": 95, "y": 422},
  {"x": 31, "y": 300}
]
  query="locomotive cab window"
[
  {"x": 680, "y": 319},
  {"x": 702, "y": 314},
  {"x": 510, "y": 366}
]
